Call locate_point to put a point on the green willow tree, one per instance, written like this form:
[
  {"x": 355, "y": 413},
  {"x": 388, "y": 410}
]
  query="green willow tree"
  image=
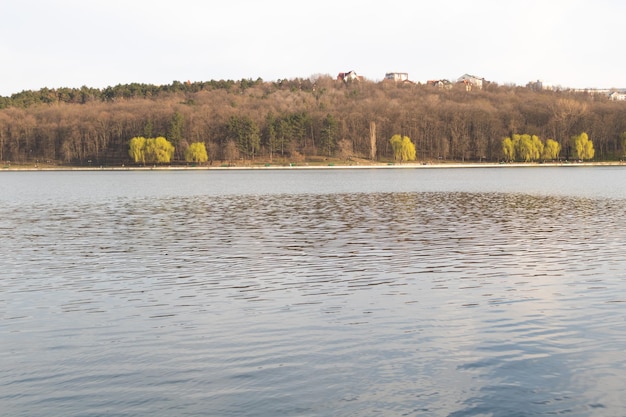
[
  {"x": 508, "y": 149},
  {"x": 137, "y": 149},
  {"x": 524, "y": 148},
  {"x": 196, "y": 152},
  {"x": 529, "y": 147},
  {"x": 551, "y": 150},
  {"x": 403, "y": 148},
  {"x": 582, "y": 147},
  {"x": 151, "y": 150},
  {"x": 159, "y": 150},
  {"x": 524, "y": 145},
  {"x": 537, "y": 147}
]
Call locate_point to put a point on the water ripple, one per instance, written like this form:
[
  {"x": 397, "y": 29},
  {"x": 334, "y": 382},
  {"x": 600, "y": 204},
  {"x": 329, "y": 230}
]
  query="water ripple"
[{"x": 405, "y": 303}]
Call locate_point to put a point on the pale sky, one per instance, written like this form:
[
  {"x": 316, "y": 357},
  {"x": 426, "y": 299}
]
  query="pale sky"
[{"x": 98, "y": 43}]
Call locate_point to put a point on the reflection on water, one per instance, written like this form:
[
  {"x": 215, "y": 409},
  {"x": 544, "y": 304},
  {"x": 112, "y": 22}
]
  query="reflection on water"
[{"x": 343, "y": 304}]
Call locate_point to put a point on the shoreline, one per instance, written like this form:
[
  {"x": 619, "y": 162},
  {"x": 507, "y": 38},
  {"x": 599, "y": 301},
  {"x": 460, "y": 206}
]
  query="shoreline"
[{"x": 305, "y": 166}]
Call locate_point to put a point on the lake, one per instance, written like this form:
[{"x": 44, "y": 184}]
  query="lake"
[{"x": 321, "y": 292}]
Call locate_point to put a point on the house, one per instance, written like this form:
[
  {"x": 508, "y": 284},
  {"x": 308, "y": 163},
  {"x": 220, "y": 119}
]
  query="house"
[
  {"x": 397, "y": 76},
  {"x": 442, "y": 84},
  {"x": 471, "y": 81},
  {"x": 539, "y": 85},
  {"x": 348, "y": 76},
  {"x": 616, "y": 96}
]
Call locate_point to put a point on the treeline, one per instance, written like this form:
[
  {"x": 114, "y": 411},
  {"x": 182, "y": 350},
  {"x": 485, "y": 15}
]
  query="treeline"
[
  {"x": 122, "y": 91},
  {"x": 292, "y": 120}
]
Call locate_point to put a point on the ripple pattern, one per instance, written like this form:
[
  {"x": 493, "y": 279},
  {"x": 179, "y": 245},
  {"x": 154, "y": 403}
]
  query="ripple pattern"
[{"x": 344, "y": 304}]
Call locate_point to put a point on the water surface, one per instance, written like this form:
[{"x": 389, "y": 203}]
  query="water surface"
[{"x": 457, "y": 292}]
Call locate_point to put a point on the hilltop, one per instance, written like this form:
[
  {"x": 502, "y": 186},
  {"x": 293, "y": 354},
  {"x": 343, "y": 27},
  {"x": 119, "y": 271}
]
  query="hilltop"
[{"x": 298, "y": 120}]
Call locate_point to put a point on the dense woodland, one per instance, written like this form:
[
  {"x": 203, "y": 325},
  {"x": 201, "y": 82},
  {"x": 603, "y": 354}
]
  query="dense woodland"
[{"x": 298, "y": 119}]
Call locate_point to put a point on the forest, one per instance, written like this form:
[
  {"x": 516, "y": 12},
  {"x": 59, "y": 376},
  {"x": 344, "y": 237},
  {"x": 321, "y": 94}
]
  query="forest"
[{"x": 297, "y": 120}]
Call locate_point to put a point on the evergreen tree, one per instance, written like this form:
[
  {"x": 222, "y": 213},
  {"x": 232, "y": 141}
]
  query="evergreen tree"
[{"x": 329, "y": 135}]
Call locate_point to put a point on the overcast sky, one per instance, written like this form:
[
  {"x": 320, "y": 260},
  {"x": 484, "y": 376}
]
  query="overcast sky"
[{"x": 70, "y": 43}]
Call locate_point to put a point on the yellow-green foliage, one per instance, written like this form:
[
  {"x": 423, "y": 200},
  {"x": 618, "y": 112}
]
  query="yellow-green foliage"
[
  {"x": 151, "y": 150},
  {"x": 196, "y": 152},
  {"x": 583, "y": 147},
  {"x": 537, "y": 147},
  {"x": 403, "y": 148},
  {"x": 529, "y": 148},
  {"x": 137, "y": 148},
  {"x": 552, "y": 149},
  {"x": 508, "y": 148}
]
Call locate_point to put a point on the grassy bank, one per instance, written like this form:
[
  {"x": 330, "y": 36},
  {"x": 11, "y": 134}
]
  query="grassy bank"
[{"x": 321, "y": 163}]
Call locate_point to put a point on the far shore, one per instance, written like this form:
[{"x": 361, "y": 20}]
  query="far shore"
[{"x": 304, "y": 166}]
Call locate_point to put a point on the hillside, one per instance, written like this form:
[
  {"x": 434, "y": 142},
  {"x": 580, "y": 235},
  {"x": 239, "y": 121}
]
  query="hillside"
[{"x": 299, "y": 119}]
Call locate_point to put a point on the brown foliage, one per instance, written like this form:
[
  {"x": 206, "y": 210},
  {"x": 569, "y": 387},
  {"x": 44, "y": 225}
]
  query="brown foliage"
[{"x": 444, "y": 124}]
